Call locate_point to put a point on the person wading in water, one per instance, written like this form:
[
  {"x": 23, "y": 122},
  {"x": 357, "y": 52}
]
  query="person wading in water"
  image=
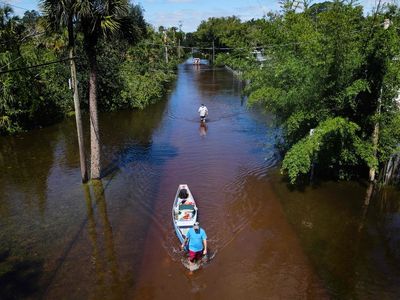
[
  {"x": 197, "y": 239},
  {"x": 203, "y": 111}
]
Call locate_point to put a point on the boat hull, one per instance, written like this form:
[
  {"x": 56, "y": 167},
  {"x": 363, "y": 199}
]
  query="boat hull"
[{"x": 184, "y": 212}]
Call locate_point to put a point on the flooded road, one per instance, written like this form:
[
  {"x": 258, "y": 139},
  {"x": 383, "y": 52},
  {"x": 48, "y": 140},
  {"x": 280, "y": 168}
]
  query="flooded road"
[{"x": 115, "y": 240}]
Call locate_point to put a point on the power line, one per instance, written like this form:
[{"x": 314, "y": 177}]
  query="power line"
[
  {"x": 8, "y": 64},
  {"x": 194, "y": 47},
  {"x": 37, "y": 66},
  {"x": 23, "y": 38},
  {"x": 12, "y": 5},
  {"x": 32, "y": 35}
]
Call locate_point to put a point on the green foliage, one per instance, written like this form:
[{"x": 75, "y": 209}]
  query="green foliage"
[
  {"x": 232, "y": 39},
  {"x": 134, "y": 76},
  {"x": 144, "y": 73},
  {"x": 336, "y": 134},
  {"x": 132, "y": 72},
  {"x": 223, "y": 31},
  {"x": 142, "y": 90},
  {"x": 30, "y": 97},
  {"x": 389, "y": 137}
]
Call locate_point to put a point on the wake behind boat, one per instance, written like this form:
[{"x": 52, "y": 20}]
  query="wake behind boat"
[{"x": 184, "y": 211}]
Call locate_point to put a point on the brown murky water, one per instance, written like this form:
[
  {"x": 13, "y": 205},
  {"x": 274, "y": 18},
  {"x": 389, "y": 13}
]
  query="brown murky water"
[{"x": 114, "y": 240}]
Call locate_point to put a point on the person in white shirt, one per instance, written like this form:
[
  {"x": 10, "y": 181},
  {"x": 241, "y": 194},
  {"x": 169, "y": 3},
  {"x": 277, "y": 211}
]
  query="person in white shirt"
[{"x": 203, "y": 111}]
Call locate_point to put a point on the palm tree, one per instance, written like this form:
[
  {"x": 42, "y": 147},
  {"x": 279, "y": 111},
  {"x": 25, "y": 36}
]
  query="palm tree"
[
  {"x": 98, "y": 18},
  {"x": 62, "y": 13},
  {"x": 95, "y": 19}
]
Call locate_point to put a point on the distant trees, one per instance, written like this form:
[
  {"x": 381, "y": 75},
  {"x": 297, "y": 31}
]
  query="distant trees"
[{"x": 145, "y": 73}]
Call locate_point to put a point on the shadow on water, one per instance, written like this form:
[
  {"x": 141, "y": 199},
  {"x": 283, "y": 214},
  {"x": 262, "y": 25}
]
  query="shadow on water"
[
  {"x": 19, "y": 277},
  {"x": 130, "y": 139},
  {"x": 104, "y": 274}
]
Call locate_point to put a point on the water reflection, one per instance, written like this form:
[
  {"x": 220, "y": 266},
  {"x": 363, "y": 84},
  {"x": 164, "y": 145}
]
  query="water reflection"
[
  {"x": 106, "y": 267},
  {"x": 19, "y": 277},
  {"x": 347, "y": 236},
  {"x": 203, "y": 129},
  {"x": 386, "y": 212},
  {"x": 131, "y": 135},
  {"x": 26, "y": 163},
  {"x": 212, "y": 82},
  {"x": 368, "y": 196}
]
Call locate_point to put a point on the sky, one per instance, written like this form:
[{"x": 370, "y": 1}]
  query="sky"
[{"x": 190, "y": 13}]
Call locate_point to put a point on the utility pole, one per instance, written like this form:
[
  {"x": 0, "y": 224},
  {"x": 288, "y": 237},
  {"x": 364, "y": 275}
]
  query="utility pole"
[
  {"x": 213, "y": 55},
  {"x": 375, "y": 133},
  {"x": 166, "y": 48},
  {"x": 180, "y": 36},
  {"x": 78, "y": 118}
]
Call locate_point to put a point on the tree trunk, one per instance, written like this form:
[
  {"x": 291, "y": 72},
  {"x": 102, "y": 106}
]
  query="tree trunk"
[
  {"x": 213, "y": 53},
  {"x": 375, "y": 137},
  {"x": 78, "y": 118},
  {"x": 95, "y": 166}
]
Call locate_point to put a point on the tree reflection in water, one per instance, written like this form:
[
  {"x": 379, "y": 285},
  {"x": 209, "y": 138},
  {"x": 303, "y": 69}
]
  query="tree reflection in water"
[
  {"x": 203, "y": 129},
  {"x": 106, "y": 265}
]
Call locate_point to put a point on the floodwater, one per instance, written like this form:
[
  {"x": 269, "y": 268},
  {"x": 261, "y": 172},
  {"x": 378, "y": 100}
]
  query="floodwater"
[{"x": 60, "y": 239}]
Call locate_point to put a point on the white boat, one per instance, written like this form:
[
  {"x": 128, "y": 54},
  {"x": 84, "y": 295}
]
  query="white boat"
[{"x": 184, "y": 211}]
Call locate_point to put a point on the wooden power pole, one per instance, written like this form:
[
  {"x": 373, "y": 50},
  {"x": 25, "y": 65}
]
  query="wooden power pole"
[
  {"x": 213, "y": 55},
  {"x": 166, "y": 48},
  {"x": 78, "y": 117}
]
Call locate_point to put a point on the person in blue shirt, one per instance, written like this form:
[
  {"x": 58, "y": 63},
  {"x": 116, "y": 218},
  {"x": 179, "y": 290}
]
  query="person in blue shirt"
[{"x": 197, "y": 239}]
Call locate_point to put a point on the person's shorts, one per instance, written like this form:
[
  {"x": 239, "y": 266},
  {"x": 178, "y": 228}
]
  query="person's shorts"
[{"x": 195, "y": 255}]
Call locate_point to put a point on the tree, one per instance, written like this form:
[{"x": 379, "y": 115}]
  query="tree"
[
  {"x": 97, "y": 19},
  {"x": 94, "y": 19}
]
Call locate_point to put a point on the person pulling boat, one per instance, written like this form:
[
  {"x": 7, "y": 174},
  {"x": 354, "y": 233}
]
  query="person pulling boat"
[{"x": 197, "y": 240}]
